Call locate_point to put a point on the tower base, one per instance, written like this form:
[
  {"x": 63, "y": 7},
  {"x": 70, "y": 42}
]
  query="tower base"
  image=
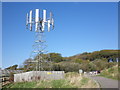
[{"x": 38, "y": 75}]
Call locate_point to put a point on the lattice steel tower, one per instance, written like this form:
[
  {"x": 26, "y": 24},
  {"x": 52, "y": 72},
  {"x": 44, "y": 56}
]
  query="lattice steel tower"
[{"x": 37, "y": 19}]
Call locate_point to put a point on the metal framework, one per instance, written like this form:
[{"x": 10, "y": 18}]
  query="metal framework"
[
  {"x": 39, "y": 50},
  {"x": 39, "y": 24}
]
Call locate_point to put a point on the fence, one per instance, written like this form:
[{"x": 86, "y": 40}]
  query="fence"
[
  {"x": 5, "y": 76},
  {"x": 38, "y": 75}
]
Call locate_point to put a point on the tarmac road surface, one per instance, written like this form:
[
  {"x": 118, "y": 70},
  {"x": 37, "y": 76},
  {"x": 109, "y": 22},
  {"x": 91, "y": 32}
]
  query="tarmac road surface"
[{"x": 105, "y": 82}]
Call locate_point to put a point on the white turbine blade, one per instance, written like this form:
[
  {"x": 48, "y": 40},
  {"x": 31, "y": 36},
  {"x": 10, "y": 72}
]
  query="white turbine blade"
[
  {"x": 36, "y": 27},
  {"x": 43, "y": 25},
  {"x": 30, "y": 27},
  {"x": 50, "y": 17},
  {"x": 52, "y": 23},
  {"x": 48, "y": 25},
  {"x": 36, "y": 19},
  {"x": 30, "y": 20},
  {"x": 44, "y": 15},
  {"x": 51, "y": 20},
  {"x": 37, "y": 15},
  {"x": 27, "y": 20}
]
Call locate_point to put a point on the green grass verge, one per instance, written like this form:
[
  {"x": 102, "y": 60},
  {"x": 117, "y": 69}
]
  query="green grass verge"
[
  {"x": 112, "y": 73},
  {"x": 42, "y": 84}
]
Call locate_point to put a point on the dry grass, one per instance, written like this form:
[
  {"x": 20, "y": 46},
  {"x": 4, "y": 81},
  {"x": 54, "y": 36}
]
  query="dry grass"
[
  {"x": 80, "y": 81},
  {"x": 112, "y": 73}
]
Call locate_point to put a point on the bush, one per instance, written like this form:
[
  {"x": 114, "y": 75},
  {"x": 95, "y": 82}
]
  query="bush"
[{"x": 11, "y": 79}]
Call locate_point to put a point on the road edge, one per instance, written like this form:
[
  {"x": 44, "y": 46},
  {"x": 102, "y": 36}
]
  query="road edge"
[{"x": 98, "y": 84}]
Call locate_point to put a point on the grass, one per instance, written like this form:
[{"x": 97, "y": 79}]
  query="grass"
[
  {"x": 72, "y": 80},
  {"x": 21, "y": 85},
  {"x": 112, "y": 73},
  {"x": 54, "y": 84}
]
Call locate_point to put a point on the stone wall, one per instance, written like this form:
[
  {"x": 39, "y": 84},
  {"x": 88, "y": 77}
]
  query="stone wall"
[{"x": 38, "y": 75}]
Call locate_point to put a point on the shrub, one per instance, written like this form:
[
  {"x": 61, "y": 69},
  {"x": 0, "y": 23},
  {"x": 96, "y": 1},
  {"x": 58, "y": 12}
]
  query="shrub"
[{"x": 11, "y": 79}]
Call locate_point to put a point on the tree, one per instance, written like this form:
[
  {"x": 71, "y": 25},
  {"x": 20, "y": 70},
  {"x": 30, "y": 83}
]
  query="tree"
[
  {"x": 14, "y": 67},
  {"x": 69, "y": 66},
  {"x": 55, "y": 57},
  {"x": 11, "y": 79},
  {"x": 28, "y": 64}
]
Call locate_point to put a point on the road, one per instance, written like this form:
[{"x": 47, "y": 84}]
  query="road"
[{"x": 105, "y": 82}]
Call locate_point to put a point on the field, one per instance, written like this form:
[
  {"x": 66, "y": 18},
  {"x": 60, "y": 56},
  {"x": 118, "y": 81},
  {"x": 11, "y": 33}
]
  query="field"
[{"x": 72, "y": 80}]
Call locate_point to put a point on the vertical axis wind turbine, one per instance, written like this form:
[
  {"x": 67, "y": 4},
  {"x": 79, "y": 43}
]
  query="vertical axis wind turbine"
[{"x": 39, "y": 23}]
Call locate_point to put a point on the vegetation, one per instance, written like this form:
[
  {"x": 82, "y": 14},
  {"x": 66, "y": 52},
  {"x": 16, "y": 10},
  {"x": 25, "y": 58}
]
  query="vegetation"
[
  {"x": 97, "y": 55},
  {"x": 72, "y": 80},
  {"x": 97, "y": 60},
  {"x": 112, "y": 73},
  {"x": 11, "y": 79},
  {"x": 14, "y": 67}
]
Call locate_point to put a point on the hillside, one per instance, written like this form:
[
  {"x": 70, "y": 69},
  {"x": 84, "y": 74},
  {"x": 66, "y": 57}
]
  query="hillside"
[
  {"x": 96, "y": 55},
  {"x": 97, "y": 60},
  {"x": 112, "y": 72},
  {"x": 86, "y": 61}
]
